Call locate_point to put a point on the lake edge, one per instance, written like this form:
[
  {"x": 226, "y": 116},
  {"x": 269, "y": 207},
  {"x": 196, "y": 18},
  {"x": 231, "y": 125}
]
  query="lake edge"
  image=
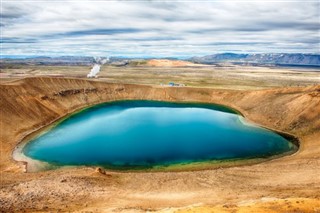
[{"x": 38, "y": 165}]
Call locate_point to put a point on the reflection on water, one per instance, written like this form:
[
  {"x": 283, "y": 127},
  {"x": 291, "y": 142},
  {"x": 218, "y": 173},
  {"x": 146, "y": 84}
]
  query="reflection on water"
[{"x": 147, "y": 133}]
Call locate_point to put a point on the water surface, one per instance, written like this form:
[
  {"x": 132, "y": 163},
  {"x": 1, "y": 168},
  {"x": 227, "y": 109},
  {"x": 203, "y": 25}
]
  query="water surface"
[{"x": 144, "y": 134}]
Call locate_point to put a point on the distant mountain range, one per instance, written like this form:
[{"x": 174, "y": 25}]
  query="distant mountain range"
[
  {"x": 44, "y": 60},
  {"x": 61, "y": 60},
  {"x": 267, "y": 58},
  {"x": 253, "y": 59}
]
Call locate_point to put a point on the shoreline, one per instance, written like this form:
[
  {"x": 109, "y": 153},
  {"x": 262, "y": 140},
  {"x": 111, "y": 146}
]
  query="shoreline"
[
  {"x": 292, "y": 110},
  {"x": 33, "y": 165}
]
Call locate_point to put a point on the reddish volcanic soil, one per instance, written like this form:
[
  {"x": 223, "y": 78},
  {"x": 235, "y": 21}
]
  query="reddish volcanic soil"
[{"x": 170, "y": 63}]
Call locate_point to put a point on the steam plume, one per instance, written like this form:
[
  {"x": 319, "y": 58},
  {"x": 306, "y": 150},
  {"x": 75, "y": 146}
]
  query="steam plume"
[{"x": 96, "y": 67}]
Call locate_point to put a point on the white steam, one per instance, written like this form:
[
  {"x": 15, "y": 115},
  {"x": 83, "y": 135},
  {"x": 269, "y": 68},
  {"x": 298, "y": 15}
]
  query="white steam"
[{"x": 96, "y": 67}]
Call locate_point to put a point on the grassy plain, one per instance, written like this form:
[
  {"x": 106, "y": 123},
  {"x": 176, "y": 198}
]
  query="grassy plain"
[{"x": 226, "y": 76}]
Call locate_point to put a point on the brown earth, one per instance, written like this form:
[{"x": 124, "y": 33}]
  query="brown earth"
[
  {"x": 225, "y": 76},
  {"x": 287, "y": 184}
]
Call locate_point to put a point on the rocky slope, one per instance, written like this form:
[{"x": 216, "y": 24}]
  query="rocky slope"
[{"x": 32, "y": 103}]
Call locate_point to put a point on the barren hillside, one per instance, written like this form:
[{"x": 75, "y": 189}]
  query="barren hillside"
[
  {"x": 170, "y": 63},
  {"x": 32, "y": 103}
]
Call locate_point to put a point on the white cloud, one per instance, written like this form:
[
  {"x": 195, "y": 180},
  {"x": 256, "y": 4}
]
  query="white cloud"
[{"x": 158, "y": 28}]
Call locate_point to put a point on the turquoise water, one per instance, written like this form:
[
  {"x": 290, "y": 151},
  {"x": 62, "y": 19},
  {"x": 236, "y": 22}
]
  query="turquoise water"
[{"x": 133, "y": 134}]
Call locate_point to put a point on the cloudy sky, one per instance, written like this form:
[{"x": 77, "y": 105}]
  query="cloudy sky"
[{"x": 158, "y": 28}]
